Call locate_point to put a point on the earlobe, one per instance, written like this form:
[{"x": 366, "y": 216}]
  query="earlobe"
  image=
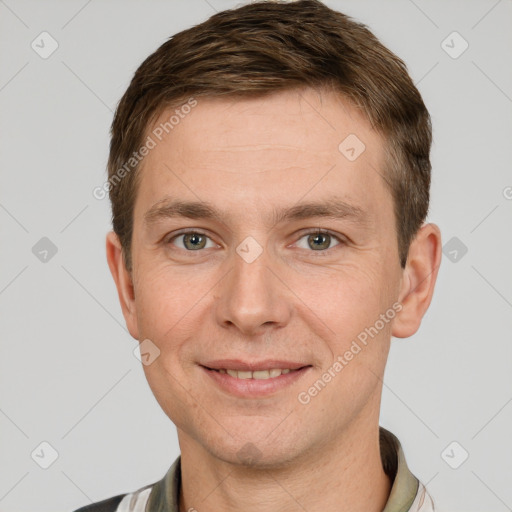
[
  {"x": 123, "y": 281},
  {"x": 419, "y": 278}
]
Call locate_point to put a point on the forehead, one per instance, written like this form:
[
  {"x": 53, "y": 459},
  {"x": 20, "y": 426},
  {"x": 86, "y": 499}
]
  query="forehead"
[
  {"x": 304, "y": 121},
  {"x": 270, "y": 149}
]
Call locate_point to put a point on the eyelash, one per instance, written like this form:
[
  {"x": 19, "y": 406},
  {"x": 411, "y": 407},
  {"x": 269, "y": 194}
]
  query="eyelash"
[{"x": 318, "y": 231}]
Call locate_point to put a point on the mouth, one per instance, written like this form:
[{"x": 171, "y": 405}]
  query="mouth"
[
  {"x": 257, "y": 374},
  {"x": 254, "y": 380}
]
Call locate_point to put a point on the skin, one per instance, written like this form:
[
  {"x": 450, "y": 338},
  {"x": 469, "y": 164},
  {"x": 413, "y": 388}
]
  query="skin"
[{"x": 247, "y": 157}]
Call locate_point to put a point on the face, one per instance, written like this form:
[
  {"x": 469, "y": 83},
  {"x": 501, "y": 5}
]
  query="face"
[{"x": 286, "y": 258}]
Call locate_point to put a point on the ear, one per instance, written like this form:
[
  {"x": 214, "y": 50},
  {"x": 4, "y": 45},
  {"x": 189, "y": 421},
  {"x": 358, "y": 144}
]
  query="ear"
[
  {"x": 418, "y": 280},
  {"x": 124, "y": 283}
]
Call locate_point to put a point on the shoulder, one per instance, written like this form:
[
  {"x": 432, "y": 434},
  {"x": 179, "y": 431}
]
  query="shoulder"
[
  {"x": 133, "y": 501},
  {"x": 423, "y": 501},
  {"x": 161, "y": 495},
  {"x": 108, "y": 505}
]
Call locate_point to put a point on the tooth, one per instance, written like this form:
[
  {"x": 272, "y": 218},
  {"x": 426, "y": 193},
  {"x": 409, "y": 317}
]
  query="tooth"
[
  {"x": 261, "y": 374},
  {"x": 258, "y": 374}
]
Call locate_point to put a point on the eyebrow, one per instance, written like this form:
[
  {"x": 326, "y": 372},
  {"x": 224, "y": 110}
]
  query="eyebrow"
[{"x": 331, "y": 208}]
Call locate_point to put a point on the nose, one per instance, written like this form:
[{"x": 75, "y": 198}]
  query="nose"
[{"x": 253, "y": 295}]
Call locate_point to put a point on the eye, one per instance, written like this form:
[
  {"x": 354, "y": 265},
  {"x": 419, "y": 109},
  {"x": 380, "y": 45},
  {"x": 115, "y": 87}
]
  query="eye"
[
  {"x": 319, "y": 240},
  {"x": 191, "y": 240}
]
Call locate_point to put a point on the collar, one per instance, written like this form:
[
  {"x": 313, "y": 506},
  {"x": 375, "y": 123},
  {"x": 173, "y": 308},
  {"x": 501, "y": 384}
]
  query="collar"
[
  {"x": 405, "y": 488},
  {"x": 404, "y": 484}
]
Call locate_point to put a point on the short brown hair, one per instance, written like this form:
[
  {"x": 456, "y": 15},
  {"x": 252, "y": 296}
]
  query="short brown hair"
[{"x": 264, "y": 47}]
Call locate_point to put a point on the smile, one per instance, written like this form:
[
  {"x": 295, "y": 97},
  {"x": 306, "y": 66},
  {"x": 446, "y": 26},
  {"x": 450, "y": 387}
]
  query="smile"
[
  {"x": 254, "y": 380},
  {"x": 258, "y": 374}
]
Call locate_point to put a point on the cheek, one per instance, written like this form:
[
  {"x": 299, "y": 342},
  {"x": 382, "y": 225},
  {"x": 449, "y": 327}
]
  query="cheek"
[
  {"x": 163, "y": 296},
  {"x": 347, "y": 298},
  {"x": 175, "y": 396},
  {"x": 171, "y": 309},
  {"x": 350, "y": 303}
]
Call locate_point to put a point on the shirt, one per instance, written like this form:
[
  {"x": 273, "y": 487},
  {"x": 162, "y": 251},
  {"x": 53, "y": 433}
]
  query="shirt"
[{"x": 407, "y": 494}]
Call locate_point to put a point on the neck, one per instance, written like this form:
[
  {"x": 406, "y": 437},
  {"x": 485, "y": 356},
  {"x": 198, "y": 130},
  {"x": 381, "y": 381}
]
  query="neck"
[{"x": 343, "y": 475}]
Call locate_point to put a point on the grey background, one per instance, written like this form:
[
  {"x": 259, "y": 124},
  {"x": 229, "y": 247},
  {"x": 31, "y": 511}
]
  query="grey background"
[{"x": 68, "y": 375}]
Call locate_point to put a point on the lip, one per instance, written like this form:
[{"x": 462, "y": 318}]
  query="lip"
[
  {"x": 238, "y": 364},
  {"x": 254, "y": 388}
]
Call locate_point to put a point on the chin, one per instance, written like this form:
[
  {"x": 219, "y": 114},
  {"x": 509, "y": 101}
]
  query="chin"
[
  {"x": 253, "y": 456},
  {"x": 252, "y": 447}
]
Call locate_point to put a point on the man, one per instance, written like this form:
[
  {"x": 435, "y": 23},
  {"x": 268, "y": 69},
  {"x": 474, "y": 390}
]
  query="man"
[{"x": 269, "y": 176}]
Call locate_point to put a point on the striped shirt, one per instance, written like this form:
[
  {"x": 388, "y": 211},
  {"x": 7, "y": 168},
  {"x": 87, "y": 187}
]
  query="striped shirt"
[{"x": 407, "y": 494}]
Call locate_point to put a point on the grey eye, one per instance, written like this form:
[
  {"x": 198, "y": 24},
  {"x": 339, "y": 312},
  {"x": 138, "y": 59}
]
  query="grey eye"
[
  {"x": 192, "y": 241},
  {"x": 318, "y": 241}
]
